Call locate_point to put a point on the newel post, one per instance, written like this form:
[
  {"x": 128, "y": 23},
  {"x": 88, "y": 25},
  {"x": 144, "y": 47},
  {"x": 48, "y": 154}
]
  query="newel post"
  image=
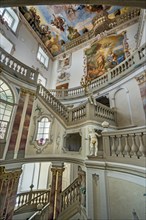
[
  {"x": 30, "y": 193},
  {"x": 90, "y": 111},
  {"x": 106, "y": 140}
]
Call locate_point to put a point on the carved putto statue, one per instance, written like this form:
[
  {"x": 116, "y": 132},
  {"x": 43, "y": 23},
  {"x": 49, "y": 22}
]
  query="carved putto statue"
[{"x": 93, "y": 138}]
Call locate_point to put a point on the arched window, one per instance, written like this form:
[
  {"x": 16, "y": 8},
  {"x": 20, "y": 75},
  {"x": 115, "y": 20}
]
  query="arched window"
[
  {"x": 9, "y": 16},
  {"x": 43, "y": 131},
  {"x": 6, "y": 107}
]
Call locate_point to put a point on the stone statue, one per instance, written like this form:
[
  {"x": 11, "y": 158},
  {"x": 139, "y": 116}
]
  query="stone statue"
[{"x": 93, "y": 137}]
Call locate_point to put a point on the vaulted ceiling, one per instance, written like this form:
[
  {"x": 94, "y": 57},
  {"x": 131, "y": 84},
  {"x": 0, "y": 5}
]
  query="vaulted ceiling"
[
  {"x": 61, "y": 27},
  {"x": 64, "y": 24}
]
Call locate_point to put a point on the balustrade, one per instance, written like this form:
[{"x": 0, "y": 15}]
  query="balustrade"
[
  {"x": 123, "y": 69},
  {"x": 105, "y": 112},
  {"x": 127, "y": 143},
  {"x": 79, "y": 113},
  {"x": 32, "y": 198},
  {"x": 27, "y": 74},
  {"x": 53, "y": 102},
  {"x": 71, "y": 194},
  {"x": 17, "y": 68}
]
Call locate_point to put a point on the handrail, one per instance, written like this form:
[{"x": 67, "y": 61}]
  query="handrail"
[
  {"x": 71, "y": 194},
  {"x": 79, "y": 114},
  {"x": 17, "y": 68},
  {"x": 39, "y": 212},
  {"x": 29, "y": 202}
]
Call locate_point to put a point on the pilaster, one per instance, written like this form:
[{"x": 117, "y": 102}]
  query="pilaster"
[
  {"x": 57, "y": 172},
  {"x": 8, "y": 191}
]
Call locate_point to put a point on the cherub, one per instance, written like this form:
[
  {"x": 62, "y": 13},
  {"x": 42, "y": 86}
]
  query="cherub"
[{"x": 93, "y": 137}]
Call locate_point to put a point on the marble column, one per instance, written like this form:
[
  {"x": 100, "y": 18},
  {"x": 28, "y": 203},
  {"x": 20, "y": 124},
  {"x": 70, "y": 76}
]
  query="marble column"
[
  {"x": 59, "y": 190},
  {"x": 8, "y": 192},
  {"x": 52, "y": 197},
  {"x": 21, "y": 151},
  {"x": 16, "y": 125},
  {"x": 56, "y": 189}
]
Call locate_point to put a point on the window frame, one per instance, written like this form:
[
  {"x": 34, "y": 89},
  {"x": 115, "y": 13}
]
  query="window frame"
[
  {"x": 10, "y": 51},
  {"x": 43, "y": 55},
  {"x": 6, "y": 106},
  {"x": 39, "y": 148},
  {"x": 14, "y": 25}
]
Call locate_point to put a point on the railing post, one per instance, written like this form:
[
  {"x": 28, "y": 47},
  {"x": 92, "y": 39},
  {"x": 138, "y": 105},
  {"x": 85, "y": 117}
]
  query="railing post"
[
  {"x": 62, "y": 92},
  {"x": 90, "y": 111},
  {"x": 30, "y": 193}
]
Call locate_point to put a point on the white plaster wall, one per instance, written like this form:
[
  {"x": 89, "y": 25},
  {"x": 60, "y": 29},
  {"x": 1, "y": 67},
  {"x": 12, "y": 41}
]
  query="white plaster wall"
[
  {"x": 66, "y": 176},
  {"x": 125, "y": 193},
  {"x": 76, "y": 68},
  {"x": 26, "y": 48},
  {"x": 99, "y": 195},
  {"x": 134, "y": 101},
  {"x": 36, "y": 174},
  {"x": 143, "y": 40},
  {"x": 43, "y": 175},
  {"x": 131, "y": 36},
  {"x": 26, "y": 178}
]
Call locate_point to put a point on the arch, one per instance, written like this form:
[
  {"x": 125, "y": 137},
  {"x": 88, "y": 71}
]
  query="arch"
[
  {"x": 123, "y": 107},
  {"x": 6, "y": 106},
  {"x": 42, "y": 132}
]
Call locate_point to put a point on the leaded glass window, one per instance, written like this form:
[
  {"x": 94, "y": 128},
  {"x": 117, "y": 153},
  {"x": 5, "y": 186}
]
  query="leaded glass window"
[
  {"x": 43, "y": 131},
  {"x": 9, "y": 15},
  {"x": 6, "y": 107}
]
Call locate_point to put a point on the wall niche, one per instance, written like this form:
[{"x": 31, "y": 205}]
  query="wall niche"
[{"x": 72, "y": 142}]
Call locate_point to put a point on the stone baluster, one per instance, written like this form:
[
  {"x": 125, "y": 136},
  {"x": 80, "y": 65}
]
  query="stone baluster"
[
  {"x": 126, "y": 150},
  {"x": 119, "y": 148},
  {"x": 134, "y": 147},
  {"x": 113, "y": 147},
  {"x": 142, "y": 149}
]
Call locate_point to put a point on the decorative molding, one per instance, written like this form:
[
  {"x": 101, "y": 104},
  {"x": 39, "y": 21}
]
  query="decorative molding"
[
  {"x": 142, "y": 20},
  {"x": 37, "y": 119},
  {"x": 141, "y": 79}
]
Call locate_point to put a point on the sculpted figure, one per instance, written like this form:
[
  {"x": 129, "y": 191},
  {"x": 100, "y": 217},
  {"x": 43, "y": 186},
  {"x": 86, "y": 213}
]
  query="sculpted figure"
[{"x": 93, "y": 137}]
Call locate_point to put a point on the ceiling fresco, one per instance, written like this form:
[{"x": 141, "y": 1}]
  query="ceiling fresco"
[{"x": 56, "y": 25}]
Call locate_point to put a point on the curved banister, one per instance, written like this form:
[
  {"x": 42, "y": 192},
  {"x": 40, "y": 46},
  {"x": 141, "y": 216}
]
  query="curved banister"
[
  {"x": 17, "y": 68},
  {"x": 124, "y": 68},
  {"x": 79, "y": 114},
  {"x": 41, "y": 212},
  {"x": 71, "y": 194},
  {"x": 27, "y": 74}
]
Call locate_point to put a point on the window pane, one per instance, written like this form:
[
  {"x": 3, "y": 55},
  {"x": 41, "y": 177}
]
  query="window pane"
[
  {"x": 8, "y": 18},
  {"x": 6, "y": 118},
  {"x": 46, "y": 130},
  {"x": 45, "y": 136},
  {"x": 43, "y": 131},
  {"x": 5, "y": 109},
  {"x": 42, "y": 56},
  {"x": 3, "y": 128}
]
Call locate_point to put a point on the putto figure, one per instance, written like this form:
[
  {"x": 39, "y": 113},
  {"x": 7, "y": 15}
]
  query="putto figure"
[{"x": 93, "y": 137}]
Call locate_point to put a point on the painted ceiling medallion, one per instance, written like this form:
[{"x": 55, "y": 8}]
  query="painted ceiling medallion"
[{"x": 59, "y": 25}]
